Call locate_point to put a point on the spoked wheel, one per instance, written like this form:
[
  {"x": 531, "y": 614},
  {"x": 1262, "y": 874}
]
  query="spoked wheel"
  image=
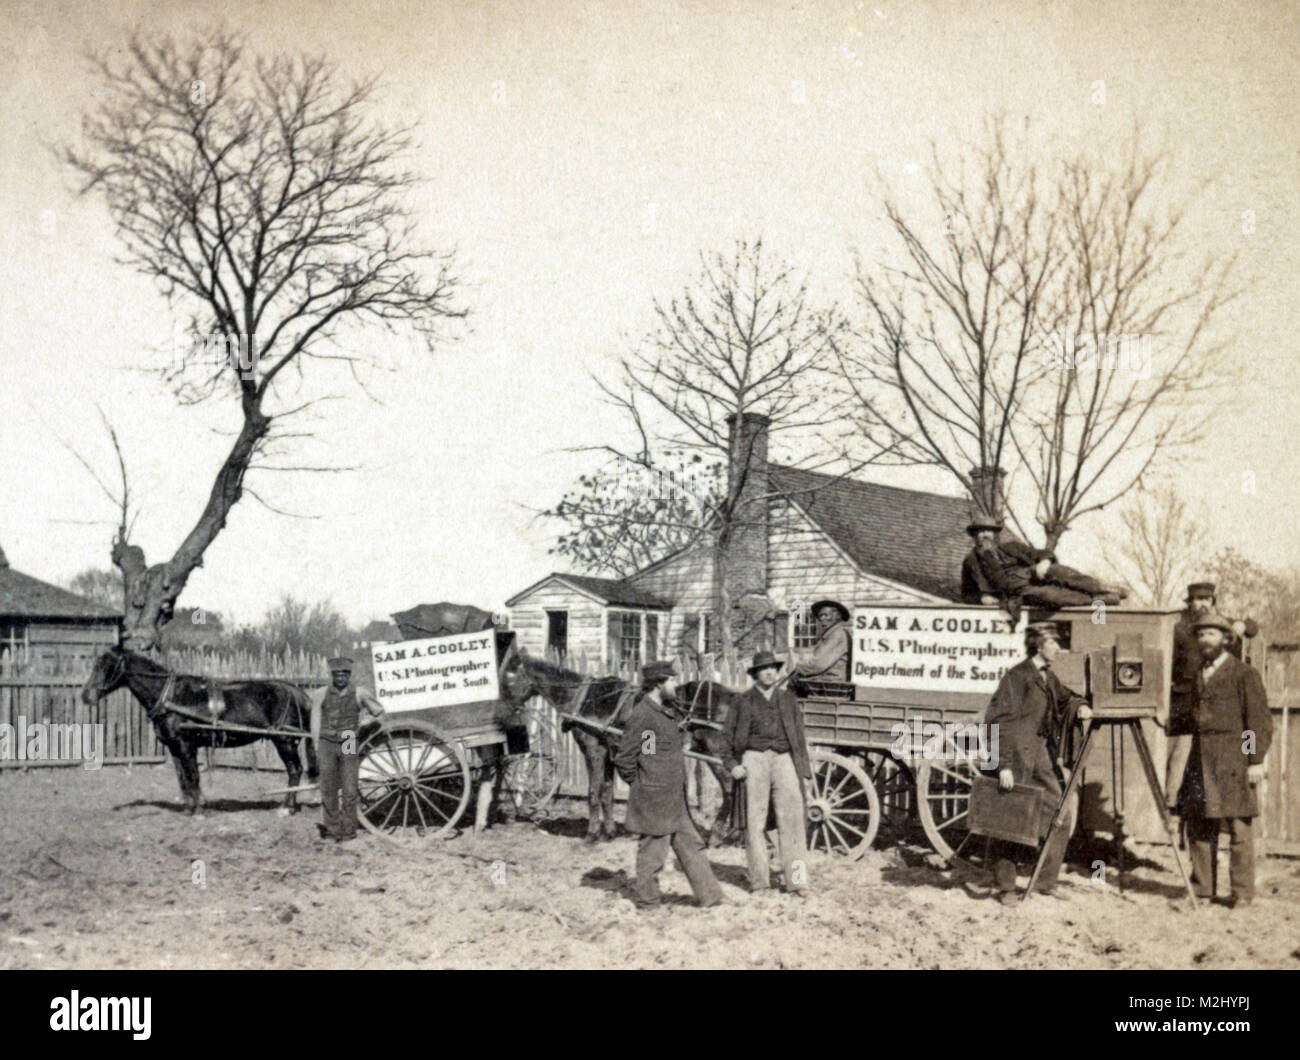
[
  {"x": 943, "y": 791},
  {"x": 533, "y": 778},
  {"x": 896, "y": 788},
  {"x": 412, "y": 782},
  {"x": 843, "y": 809}
]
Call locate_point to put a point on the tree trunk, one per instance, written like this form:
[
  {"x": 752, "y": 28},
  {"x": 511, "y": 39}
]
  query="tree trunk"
[{"x": 151, "y": 591}]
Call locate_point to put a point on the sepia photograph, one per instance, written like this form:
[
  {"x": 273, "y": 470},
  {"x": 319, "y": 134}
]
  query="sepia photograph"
[{"x": 690, "y": 484}]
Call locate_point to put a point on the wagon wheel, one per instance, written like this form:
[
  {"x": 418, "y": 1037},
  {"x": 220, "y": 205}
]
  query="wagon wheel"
[
  {"x": 896, "y": 788},
  {"x": 943, "y": 791},
  {"x": 532, "y": 779},
  {"x": 843, "y": 809},
  {"x": 411, "y": 781}
]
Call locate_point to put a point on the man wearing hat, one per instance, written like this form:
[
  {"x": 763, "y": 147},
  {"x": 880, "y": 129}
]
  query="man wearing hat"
[
  {"x": 649, "y": 758},
  {"x": 1035, "y": 715},
  {"x": 829, "y": 657},
  {"x": 1201, "y": 600},
  {"x": 1002, "y": 570},
  {"x": 335, "y": 719},
  {"x": 1232, "y": 732},
  {"x": 764, "y": 745}
]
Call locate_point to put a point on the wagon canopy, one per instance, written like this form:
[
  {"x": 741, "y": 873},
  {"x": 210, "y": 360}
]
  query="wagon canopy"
[{"x": 441, "y": 620}]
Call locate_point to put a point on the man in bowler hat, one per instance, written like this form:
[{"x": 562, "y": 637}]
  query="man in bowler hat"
[
  {"x": 764, "y": 745},
  {"x": 650, "y": 759},
  {"x": 335, "y": 719},
  {"x": 1233, "y": 730}
]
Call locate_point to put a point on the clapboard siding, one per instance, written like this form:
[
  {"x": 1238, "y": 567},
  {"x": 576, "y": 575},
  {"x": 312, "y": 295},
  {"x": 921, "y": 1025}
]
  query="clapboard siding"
[
  {"x": 687, "y": 580},
  {"x": 586, "y": 620}
]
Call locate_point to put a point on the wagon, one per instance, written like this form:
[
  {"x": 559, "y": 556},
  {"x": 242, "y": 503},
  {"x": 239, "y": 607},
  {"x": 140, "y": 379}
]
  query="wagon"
[
  {"x": 871, "y": 743},
  {"x": 447, "y": 735}
]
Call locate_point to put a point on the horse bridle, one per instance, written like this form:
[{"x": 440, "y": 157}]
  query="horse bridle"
[{"x": 122, "y": 673}]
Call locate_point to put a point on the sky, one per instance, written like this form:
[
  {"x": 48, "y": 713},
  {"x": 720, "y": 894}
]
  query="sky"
[{"x": 579, "y": 157}]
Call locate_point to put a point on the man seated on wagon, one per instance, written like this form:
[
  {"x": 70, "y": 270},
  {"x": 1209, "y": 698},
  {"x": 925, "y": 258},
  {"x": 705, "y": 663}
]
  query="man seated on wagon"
[
  {"x": 1002, "y": 570},
  {"x": 828, "y": 659}
]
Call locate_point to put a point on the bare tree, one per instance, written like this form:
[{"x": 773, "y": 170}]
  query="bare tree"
[
  {"x": 263, "y": 200},
  {"x": 1050, "y": 320},
  {"x": 102, "y": 586},
  {"x": 745, "y": 339},
  {"x": 1163, "y": 546}
]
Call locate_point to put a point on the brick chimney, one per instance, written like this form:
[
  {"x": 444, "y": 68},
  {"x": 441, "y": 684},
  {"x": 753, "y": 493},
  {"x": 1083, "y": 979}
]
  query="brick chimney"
[
  {"x": 988, "y": 492},
  {"x": 746, "y": 571}
]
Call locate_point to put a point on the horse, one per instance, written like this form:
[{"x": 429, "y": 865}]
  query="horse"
[
  {"x": 608, "y": 701},
  {"x": 264, "y": 704}
]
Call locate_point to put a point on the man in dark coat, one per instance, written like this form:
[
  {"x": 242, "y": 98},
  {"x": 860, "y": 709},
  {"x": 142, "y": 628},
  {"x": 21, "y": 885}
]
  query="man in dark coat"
[
  {"x": 335, "y": 719},
  {"x": 1002, "y": 570},
  {"x": 1035, "y": 715},
  {"x": 764, "y": 745},
  {"x": 650, "y": 759},
  {"x": 1201, "y": 600},
  {"x": 829, "y": 658},
  {"x": 1233, "y": 730}
]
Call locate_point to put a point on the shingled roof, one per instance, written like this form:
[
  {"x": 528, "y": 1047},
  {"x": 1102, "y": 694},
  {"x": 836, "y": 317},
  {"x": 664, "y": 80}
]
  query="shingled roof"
[
  {"x": 607, "y": 590},
  {"x": 22, "y": 596},
  {"x": 915, "y": 538}
]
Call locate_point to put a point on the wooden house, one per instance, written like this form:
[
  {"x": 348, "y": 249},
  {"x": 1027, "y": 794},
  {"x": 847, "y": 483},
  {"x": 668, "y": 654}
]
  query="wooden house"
[{"x": 45, "y": 627}]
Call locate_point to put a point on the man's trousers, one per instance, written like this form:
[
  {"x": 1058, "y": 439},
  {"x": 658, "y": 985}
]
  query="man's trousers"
[
  {"x": 338, "y": 788},
  {"x": 652, "y": 852},
  {"x": 772, "y": 777},
  {"x": 1203, "y": 841}
]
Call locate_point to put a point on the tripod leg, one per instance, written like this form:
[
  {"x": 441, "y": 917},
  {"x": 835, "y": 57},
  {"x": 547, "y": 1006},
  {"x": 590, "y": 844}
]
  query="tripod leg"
[
  {"x": 1153, "y": 783},
  {"x": 1061, "y": 812}
]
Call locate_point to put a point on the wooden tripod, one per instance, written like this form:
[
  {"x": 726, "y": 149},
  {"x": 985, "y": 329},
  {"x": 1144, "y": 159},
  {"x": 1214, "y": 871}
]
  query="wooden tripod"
[{"x": 1133, "y": 725}]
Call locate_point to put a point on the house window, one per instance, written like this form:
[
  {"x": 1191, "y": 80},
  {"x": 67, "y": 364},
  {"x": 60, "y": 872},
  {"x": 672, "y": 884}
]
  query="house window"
[
  {"x": 633, "y": 638},
  {"x": 13, "y": 638},
  {"x": 803, "y": 630},
  {"x": 557, "y": 634}
]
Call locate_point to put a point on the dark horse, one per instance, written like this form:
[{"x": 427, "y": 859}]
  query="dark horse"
[
  {"x": 250, "y": 704},
  {"x": 608, "y": 701}
]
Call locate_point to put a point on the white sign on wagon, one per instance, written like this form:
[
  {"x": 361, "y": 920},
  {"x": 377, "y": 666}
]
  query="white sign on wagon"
[
  {"x": 436, "y": 671},
  {"x": 934, "y": 649}
]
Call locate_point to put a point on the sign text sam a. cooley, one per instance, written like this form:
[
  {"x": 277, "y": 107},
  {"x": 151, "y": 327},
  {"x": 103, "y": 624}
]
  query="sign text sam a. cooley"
[
  {"x": 436, "y": 671},
  {"x": 934, "y": 649}
]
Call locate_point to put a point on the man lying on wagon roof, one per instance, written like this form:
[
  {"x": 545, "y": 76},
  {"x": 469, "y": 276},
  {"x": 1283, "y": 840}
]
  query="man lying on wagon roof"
[{"x": 1002, "y": 570}]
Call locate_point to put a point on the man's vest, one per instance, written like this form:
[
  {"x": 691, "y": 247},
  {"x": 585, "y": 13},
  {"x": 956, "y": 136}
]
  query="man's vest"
[{"x": 339, "y": 713}]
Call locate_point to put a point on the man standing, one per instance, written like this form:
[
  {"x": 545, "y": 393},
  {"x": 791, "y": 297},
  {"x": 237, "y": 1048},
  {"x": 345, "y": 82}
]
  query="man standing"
[
  {"x": 1035, "y": 714},
  {"x": 1232, "y": 732},
  {"x": 335, "y": 719},
  {"x": 650, "y": 759},
  {"x": 1201, "y": 600},
  {"x": 829, "y": 658},
  {"x": 1005, "y": 571},
  {"x": 764, "y": 746}
]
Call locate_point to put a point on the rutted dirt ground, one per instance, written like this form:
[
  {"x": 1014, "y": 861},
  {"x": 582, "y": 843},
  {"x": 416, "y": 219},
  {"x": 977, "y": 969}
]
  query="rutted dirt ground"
[{"x": 99, "y": 870}]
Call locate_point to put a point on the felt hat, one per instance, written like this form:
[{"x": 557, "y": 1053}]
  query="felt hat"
[
  {"x": 762, "y": 660},
  {"x": 340, "y": 663},
  {"x": 983, "y": 522},
  {"x": 1212, "y": 621},
  {"x": 658, "y": 671},
  {"x": 843, "y": 611},
  {"x": 1044, "y": 629},
  {"x": 1200, "y": 589}
]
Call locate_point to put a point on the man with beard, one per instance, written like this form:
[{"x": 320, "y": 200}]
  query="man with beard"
[
  {"x": 1002, "y": 570},
  {"x": 1232, "y": 732},
  {"x": 650, "y": 760},
  {"x": 1201, "y": 600},
  {"x": 828, "y": 660}
]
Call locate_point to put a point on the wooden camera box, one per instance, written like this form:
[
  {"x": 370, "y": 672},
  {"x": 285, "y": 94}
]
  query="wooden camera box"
[{"x": 1125, "y": 680}]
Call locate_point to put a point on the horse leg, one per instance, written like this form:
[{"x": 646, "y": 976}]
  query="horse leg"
[
  {"x": 608, "y": 826},
  {"x": 595, "y": 771},
  {"x": 187, "y": 767},
  {"x": 287, "y": 749},
  {"x": 719, "y": 832}
]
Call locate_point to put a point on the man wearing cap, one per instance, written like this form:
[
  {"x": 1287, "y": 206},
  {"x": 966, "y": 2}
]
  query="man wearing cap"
[
  {"x": 1035, "y": 715},
  {"x": 764, "y": 746},
  {"x": 335, "y": 719},
  {"x": 1201, "y": 600},
  {"x": 1002, "y": 570},
  {"x": 1232, "y": 732},
  {"x": 649, "y": 758},
  {"x": 828, "y": 660}
]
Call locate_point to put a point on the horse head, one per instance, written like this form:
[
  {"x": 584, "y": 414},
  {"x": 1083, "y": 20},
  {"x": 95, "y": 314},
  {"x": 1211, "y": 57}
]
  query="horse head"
[{"x": 107, "y": 675}]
